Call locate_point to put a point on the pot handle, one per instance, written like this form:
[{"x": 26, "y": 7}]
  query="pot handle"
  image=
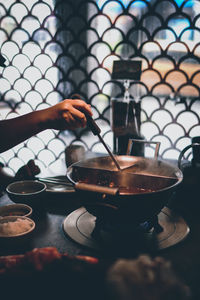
[
  {"x": 183, "y": 152},
  {"x": 96, "y": 188},
  {"x": 131, "y": 141}
]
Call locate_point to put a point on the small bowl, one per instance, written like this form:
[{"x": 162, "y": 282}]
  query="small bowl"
[
  {"x": 15, "y": 229},
  {"x": 28, "y": 192},
  {"x": 22, "y": 210}
]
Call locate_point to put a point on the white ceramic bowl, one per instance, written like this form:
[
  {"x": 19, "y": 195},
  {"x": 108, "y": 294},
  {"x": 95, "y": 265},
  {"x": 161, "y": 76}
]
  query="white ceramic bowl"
[
  {"x": 30, "y": 192},
  {"x": 22, "y": 210},
  {"x": 15, "y": 228}
]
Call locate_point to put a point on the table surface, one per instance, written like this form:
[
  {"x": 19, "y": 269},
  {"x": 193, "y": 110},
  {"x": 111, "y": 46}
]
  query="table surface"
[
  {"x": 185, "y": 256},
  {"x": 49, "y": 219}
]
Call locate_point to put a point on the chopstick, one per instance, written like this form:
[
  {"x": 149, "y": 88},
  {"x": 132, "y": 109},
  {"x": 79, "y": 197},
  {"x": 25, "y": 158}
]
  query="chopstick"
[{"x": 55, "y": 181}]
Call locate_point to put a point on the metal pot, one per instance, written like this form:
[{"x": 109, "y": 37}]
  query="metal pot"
[{"x": 135, "y": 194}]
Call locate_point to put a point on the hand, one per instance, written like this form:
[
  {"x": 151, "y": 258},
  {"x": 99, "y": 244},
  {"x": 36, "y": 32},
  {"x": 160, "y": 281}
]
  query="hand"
[
  {"x": 68, "y": 114},
  {"x": 27, "y": 171}
]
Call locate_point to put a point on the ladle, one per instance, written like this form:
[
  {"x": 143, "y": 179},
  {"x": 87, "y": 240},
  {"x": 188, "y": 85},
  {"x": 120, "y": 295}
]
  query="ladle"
[{"x": 96, "y": 131}]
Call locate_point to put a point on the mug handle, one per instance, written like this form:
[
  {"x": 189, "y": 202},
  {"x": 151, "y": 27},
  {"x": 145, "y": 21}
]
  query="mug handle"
[{"x": 183, "y": 152}]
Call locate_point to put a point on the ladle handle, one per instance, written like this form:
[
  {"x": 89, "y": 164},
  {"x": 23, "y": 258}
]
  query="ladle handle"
[
  {"x": 96, "y": 131},
  {"x": 92, "y": 125}
]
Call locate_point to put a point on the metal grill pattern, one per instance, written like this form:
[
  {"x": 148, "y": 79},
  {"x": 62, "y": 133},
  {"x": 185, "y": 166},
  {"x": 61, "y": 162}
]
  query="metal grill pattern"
[{"x": 57, "y": 48}]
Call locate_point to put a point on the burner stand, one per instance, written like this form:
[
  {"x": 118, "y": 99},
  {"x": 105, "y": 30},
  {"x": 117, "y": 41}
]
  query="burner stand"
[
  {"x": 151, "y": 225},
  {"x": 80, "y": 227}
]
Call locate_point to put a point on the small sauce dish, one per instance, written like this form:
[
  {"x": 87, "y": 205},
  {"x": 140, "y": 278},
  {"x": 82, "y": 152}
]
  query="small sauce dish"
[{"x": 22, "y": 210}]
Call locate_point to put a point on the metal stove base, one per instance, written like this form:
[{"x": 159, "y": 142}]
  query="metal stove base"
[{"x": 80, "y": 224}]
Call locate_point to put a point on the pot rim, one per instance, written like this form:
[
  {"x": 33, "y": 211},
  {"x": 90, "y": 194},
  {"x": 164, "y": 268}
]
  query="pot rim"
[{"x": 178, "y": 177}]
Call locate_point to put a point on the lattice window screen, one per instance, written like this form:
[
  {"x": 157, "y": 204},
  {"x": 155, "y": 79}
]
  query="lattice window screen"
[{"x": 56, "y": 48}]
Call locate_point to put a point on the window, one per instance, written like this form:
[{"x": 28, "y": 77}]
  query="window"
[{"x": 57, "y": 48}]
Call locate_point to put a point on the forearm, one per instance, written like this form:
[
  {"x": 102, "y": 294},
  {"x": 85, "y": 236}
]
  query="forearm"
[
  {"x": 67, "y": 114},
  {"x": 16, "y": 130}
]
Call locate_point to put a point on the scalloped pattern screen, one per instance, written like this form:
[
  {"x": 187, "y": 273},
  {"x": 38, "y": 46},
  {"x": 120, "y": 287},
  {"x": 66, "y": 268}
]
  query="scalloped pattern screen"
[{"x": 57, "y": 48}]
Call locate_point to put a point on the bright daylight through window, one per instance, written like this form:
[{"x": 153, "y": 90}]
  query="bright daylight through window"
[{"x": 56, "y": 48}]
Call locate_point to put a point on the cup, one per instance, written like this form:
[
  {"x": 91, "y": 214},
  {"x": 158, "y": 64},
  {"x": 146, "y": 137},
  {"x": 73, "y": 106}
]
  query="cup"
[{"x": 74, "y": 153}]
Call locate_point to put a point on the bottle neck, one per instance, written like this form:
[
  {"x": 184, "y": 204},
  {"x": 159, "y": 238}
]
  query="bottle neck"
[
  {"x": 196, "y": 150},
  {"x": 133, "y": 126}
]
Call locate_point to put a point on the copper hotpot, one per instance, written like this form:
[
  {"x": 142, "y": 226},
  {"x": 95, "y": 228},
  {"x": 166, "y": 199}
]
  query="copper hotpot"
[{"x": 135, "y": 194}]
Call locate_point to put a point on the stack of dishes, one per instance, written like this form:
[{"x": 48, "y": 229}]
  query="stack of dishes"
[{"x": 15, "y": 223}]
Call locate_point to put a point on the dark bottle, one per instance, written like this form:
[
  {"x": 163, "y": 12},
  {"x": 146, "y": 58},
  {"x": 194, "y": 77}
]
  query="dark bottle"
[
  {"x": 196, "y": 151},
  {"x": 188, "y": 191},
  {"x": 132, "y": 131},
  {"x": 119, "y": 116},
  {"x": 191, "y": 171}
]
